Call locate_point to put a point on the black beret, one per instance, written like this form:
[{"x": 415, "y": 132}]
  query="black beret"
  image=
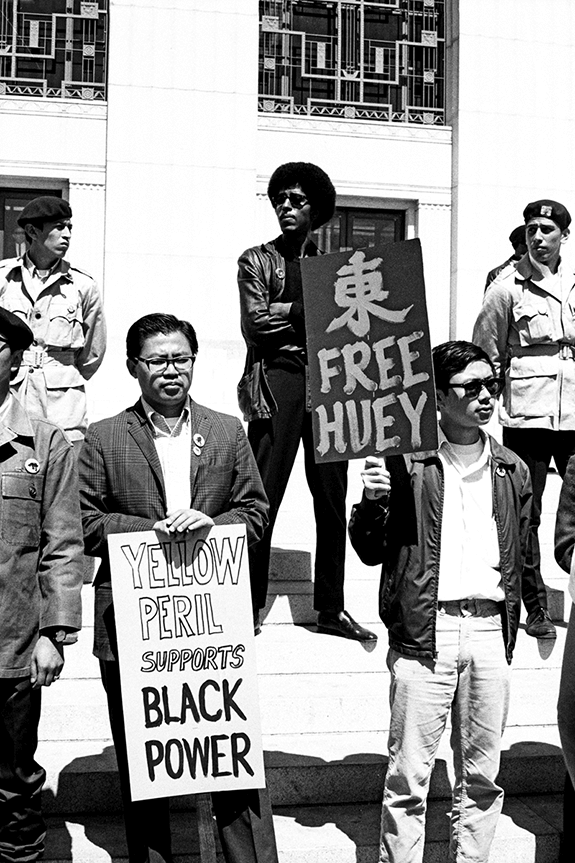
[
  {"x": 550, "y": 210},
  {"x": 517, "y": 236},
  {"x": 47, "y": 208},
  {"x": 16, "y": 331}
]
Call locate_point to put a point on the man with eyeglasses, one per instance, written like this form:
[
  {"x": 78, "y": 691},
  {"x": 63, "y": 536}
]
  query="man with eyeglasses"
[
  {"x": 527, "y": 327},
  {"x": 62, "y": 306},
  {"x": 168, "y": 464},
  {"x": 274, "y": 396},
  {"x": 450, "y": 531}
]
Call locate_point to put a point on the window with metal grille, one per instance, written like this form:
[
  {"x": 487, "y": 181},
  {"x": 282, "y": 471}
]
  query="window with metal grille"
[
  {"x": 353, "y": 59},
  {"x": 53, "y": 48}
]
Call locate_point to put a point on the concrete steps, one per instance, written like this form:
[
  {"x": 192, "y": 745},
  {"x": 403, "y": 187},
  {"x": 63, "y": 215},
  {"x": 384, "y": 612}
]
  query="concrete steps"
[
  {"x": 528, "y": 830},
  {"x": 324, "y": 704}
]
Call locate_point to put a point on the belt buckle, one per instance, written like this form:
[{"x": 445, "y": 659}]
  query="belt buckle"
[{"x": 37, "y": 358}]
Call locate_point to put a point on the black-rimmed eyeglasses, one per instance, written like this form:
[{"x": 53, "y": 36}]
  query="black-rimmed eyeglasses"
[
  {"x": 160, "y": 364},
  {"x": 296, "y": 199},
  {"x": 474, "y": 387}
]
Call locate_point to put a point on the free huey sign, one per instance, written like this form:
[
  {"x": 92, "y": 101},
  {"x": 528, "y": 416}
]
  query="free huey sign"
[{"x": 369, "y": 353}]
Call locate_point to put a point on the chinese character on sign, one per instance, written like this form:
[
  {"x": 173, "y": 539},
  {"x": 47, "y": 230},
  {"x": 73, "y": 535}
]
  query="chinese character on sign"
[{"x": 358, "y": 289}]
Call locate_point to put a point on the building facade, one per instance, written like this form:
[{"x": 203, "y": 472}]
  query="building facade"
[{"x": 162, "y": 122}]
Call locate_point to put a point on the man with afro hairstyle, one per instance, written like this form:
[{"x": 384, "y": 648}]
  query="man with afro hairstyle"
[{"x": 273, "y": 394}]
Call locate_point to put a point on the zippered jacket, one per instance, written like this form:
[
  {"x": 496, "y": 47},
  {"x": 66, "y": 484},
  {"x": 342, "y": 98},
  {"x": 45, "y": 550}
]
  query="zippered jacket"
[{"x": 404, "y": 536}]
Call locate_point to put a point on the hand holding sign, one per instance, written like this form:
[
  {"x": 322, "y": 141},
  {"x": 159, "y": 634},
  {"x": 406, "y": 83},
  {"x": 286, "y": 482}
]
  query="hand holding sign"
[
  {"x": 187, "y": 661},
  {"x": 375, "y": 478},
  {"x": 180, "y": 520}
]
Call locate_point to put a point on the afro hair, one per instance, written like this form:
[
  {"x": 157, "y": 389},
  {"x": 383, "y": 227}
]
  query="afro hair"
[{"x": 314, "y": 182}]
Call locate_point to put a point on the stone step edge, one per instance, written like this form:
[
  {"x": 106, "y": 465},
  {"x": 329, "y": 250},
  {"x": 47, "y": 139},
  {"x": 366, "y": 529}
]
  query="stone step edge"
[
  {"x": 528, "y": 831},
  {"x": 308, "y": 780}
]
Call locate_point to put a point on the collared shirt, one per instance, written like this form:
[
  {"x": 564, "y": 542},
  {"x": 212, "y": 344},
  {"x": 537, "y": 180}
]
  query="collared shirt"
[
  {"x": 527, "y": 327},
  {"x": 63, "y": 308},
  {"x": 469, "y": 560},
  {"x": 37, "y": 278},
  {"x": 173, "y": 441}
]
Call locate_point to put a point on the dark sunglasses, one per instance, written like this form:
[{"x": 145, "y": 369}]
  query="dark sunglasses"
[
  {"x": 296, "y": 199},
  {"x": 473, "y": 388}
]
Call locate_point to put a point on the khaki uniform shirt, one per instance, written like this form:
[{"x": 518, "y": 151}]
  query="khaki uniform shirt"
[
  {"x": 65, "y": 314},
  {"x": 527, "y": 328}
]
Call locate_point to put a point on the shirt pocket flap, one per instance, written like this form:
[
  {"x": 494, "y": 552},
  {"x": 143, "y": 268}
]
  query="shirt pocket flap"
[
  {"x": 23, "y": 486},
  {"x": 20, "y": 509},
  {"x": 529, "y": 310},
  {"x": 64, "y": 307}
]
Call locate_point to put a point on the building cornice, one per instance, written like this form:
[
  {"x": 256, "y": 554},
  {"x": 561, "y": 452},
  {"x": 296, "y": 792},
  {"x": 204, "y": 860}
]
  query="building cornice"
[
  {"x": 54, "y": 108},
  {"x": 354, "y": 129}
]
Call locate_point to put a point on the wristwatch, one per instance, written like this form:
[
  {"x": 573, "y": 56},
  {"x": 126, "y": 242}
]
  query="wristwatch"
[{"x": 62, "y": 636}]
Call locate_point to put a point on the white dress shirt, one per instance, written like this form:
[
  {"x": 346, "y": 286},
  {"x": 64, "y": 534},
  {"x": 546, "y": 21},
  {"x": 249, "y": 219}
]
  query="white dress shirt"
[
  {"x": 469, "y": 565},
  {"x": 173, "y": 440}
]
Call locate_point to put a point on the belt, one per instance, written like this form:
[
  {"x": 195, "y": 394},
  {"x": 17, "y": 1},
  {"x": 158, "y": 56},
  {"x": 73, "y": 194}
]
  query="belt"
[
  {"x": 36, "y": 357},
  {"x": 566, "y": 351},
  {"x": 478, "y": 607}
]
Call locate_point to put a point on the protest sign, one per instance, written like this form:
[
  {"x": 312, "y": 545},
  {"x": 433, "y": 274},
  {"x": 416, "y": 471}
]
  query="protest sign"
[
  {"x": 187, "y": 661},
  {"x": 371, "y": 379}
]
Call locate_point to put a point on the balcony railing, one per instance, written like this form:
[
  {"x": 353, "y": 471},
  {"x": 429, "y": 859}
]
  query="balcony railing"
[
  {"x": 53, "y": 49},
  {"x": 353, "y": 59}
]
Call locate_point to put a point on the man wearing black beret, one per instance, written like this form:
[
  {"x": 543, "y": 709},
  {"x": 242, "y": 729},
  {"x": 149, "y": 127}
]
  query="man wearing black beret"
[
  {"x": 63, "y": 307},
  {"x": 272, "y": 393},
  {"x": 517, "y": 240},
  {"x": 41, "y": 554},
  {"x": 527, "y": 327}
]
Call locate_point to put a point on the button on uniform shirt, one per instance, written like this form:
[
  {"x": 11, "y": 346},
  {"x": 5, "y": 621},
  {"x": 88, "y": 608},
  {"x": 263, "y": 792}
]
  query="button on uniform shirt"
[
  {"x": 527, "y": 328},
  {"x": 469, "y": 560},
  {"x": 63, "y": 308},
  {"x": 173, "y": 441}
]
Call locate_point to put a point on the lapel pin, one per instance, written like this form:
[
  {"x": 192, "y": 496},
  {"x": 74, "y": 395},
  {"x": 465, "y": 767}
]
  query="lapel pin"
[
  {"x": 197, "y": 450},
  {"x": 199, "y": 440},
  {"x": 32, "y": 465}
]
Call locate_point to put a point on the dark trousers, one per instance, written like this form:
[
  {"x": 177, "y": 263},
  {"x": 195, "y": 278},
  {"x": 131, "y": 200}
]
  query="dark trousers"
[
  {"x": 244, "y": 818},
  {"x": 537, "y": 447},
  {"x": 275, "y": 444},
  {"x": 22, "y": 828}
]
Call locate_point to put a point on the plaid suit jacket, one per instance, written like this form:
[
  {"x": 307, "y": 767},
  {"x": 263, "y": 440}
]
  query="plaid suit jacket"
[{"x": 122, "y": 489}]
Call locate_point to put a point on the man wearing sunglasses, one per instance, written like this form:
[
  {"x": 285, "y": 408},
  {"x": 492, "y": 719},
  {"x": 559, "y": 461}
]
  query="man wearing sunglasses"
[
  {"x": 273, "y": 393},
  {"x": 527, "y": 327},
  {"x": 450, "y": 530},
  {"x": 168, "y": 464}
]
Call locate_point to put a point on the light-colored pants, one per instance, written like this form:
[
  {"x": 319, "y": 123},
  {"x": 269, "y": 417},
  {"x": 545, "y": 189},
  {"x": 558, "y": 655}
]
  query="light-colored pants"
[
  {"x": 470, "y": 677},
  {"x": 566, "y": 705}
]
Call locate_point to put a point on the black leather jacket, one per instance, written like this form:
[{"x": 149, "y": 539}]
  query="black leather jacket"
[
  {"x": 405, "y": 536},
  {"x": 262, "y": 281}
]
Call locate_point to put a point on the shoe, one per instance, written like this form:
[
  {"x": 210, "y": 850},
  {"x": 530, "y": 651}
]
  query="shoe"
[
  {"x": 343, "y": 624},
  {"x": 540, "y": 625}
]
